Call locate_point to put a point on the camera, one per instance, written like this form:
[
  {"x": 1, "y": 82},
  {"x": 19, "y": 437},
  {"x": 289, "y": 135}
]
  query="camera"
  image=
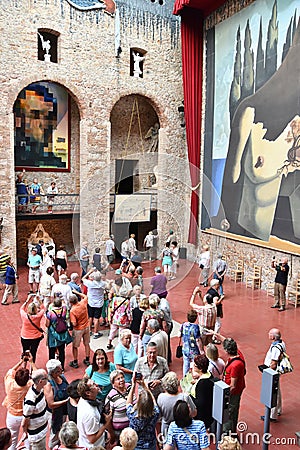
[
  {"x": 138, "y": 376},
  {"x": 106, "y": 408},
  {"x": 26, "y": 355}
]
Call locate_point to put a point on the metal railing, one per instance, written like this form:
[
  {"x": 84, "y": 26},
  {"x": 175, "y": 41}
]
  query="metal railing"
[
  {"x": 61, "y": 202},
  {"x": 66, "y": 202}
]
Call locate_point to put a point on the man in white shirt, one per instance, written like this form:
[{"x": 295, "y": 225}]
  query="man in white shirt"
[
  {"x": 131, "y": 245},
  {"x": 109, "y": 250},
  {"x": 84, "y": 258},
  {"x": 62, "y": 289},
  {"x": 149, "y": 243},
  {"x": 204, "y": 265},
  {"x": 92, "y": 432},
  {"x": 125, "y": 249},
  {"x": 272, "y": 358},
  {"x": 96, "y": 287}
]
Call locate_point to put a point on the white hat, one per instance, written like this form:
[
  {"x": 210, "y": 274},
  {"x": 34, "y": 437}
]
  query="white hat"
[{"x": 214, "y": 282}]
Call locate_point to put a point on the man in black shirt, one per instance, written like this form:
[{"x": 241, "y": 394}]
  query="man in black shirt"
[{"x": 281, "y": 279}]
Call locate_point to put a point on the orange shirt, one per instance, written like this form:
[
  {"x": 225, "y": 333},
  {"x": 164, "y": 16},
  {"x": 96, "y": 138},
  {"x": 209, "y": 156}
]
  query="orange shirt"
[
  {"x": 79, "y": 315},
  {"x": 15, "y": 394},
  {"x": 28, "y": 331}
]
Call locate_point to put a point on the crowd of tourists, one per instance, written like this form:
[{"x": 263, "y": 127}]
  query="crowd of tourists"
[{"x": 126, "y": 397}]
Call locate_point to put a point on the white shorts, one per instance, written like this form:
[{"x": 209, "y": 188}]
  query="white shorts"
[{"x": 34, "y": 276}]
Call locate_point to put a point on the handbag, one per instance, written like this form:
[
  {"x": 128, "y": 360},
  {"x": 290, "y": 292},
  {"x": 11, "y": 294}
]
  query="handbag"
[
  {"x": 284, "y": 363},
  {"x": 179, "y": 349}
]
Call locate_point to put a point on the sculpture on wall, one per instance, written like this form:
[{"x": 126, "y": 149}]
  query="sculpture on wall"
[
  {"x": 46, "y": 46},
  {"x": 152, "y": 136},
  {"x": 137, "y": 59},
  {"x": 40, "y": 234}
]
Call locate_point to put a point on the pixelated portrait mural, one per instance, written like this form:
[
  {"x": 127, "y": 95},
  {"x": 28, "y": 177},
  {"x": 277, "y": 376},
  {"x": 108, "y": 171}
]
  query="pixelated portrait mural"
[
  {"x": 252, "y": 130},
  {"x": 41, "y": 120}
]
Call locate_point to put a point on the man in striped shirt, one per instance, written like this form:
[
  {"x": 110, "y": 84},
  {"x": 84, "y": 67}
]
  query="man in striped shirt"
[
  {"x": 4, "y": 257},
  {"x": 207, "y": 314},
  {"x": 35, "y": 422}
]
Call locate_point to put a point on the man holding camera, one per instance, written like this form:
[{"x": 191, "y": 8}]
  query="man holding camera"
[
  {"x": 152, "y": 369},
  {"x": 92, "y": 430},
  {"x": 281, "y": 280}
]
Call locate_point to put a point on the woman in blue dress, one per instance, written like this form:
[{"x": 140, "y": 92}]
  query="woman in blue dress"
[
  {"x": 167, "y": 260},
  {"x": 36, "y": 190},
  {"x": 190, "y": 335}
]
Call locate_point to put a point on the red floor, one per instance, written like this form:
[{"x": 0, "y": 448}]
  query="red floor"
[{"x": 247, "y": 318}]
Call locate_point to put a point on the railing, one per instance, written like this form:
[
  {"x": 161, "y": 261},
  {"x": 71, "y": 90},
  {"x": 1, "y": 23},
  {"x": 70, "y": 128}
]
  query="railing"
[
  {"x": 67, "y": 202},
  {"x": 61, "y": 203}
]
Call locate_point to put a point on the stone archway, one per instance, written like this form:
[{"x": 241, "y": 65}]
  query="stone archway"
[
  {"x": 47, "y": 146},
  {"x": 134, "y": 156}
]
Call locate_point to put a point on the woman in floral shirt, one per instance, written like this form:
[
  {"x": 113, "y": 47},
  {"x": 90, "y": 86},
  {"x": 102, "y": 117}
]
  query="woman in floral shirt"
[
  {"x": 152, "y": 313},
  {"x": 119, "y": 312},
  {"x": 190, "y": 335}
]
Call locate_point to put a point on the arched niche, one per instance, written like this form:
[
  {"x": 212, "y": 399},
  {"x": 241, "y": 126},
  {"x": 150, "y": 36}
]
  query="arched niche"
[
  {"x": 134, "y": 157},
  {"x": 47, "y": 147}
]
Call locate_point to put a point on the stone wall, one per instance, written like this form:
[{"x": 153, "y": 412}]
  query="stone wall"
[
  {"x": 234, "y": 250},
  {"x": 52, "y": 226},
  {"x": 96, "y": 80}
]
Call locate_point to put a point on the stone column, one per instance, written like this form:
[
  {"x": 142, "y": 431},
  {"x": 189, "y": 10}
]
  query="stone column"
[
  {"x": 94, "y": 181},
  {"x": 7, "y": 185}
]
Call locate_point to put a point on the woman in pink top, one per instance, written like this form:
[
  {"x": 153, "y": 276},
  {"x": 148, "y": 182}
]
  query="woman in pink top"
[
  {"x": 17, "y": 382},
  {"x": 31, "y": 332}
]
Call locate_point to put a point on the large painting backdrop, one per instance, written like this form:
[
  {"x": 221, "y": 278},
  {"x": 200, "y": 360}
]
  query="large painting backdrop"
[
  {"x": 41, "y": 114},
  {"x": 252, "y": 132}
]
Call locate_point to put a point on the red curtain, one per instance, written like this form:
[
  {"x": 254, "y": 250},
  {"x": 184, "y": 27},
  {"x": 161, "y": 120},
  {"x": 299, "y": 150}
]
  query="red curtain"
[{"x": 192, "y": 59}]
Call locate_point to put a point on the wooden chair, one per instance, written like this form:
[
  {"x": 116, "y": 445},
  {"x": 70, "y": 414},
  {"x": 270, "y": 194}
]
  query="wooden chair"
[
  {"x": 294, "y": 294},
  {"x": 270, "y": 289},
  {"x": 254, "y": 280},
  {"x": 237, "y": 274}
]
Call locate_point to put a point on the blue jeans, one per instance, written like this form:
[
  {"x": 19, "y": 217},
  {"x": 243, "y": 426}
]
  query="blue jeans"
[
  {"x": 145, "y": 340},
  {"x": 186, "y": 363},
  {"x": 215, "y": 277}
]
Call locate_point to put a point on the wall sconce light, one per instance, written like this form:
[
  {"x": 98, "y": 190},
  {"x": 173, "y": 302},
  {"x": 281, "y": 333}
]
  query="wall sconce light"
[
  {"x": 181, "y": 115},
  {"x": 1, "y": 224}
]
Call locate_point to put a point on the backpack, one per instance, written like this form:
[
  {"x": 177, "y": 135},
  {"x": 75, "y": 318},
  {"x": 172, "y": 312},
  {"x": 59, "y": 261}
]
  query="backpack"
[{"x": 61, "y": 325}]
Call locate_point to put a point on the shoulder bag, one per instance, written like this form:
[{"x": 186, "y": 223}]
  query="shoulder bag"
[
  {"x": 284, "y": 364},
  {"x": 179, "y": 349}
]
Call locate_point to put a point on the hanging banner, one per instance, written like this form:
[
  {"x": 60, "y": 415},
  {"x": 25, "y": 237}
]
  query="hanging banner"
[{"x": 132, "y": 208}]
